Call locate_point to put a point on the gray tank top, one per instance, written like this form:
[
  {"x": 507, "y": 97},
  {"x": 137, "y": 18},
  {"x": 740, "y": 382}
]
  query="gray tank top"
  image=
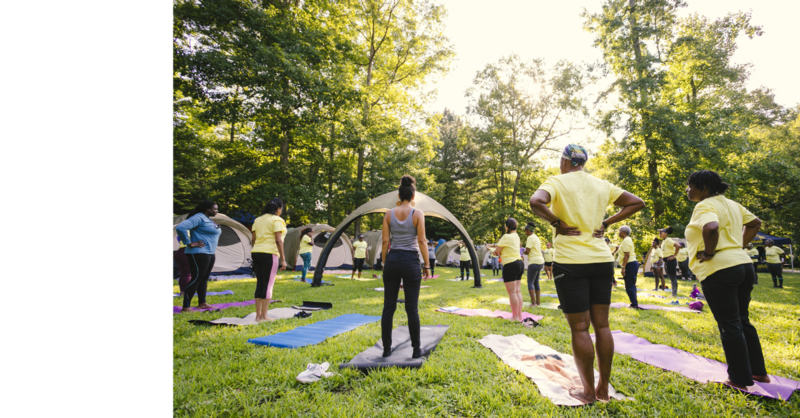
[{"x": 404, "y": 235}]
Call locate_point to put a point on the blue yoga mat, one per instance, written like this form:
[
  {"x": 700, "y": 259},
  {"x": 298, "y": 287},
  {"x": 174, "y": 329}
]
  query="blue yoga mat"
[
  {"x": 309, "y": 280},
  {"x": 315, "y": 333},
  {"x": 224, "y": 292}
]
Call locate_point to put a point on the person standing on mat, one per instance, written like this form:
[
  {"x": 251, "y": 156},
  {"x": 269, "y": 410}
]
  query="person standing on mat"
[
  {"x": 717, "y": 232},
  {"x": 753, "y": 253},
  {"x": 432, "y": 256},
  {"x": 513, "y": 266},
  {"x": 774, "y": 262},
  {"x": 182, "y": 261},
  {"x": 406, "y": 227},
  {"x": 306, "y": 246},
  {"x": 464, "y": 260},
  {"x": 200, "y": 252},
  {"x": 683, "y": 261},
  {"x": 494, "y": 260},
  {"x": 630, "y": 267},
  {"x": 359, "y": 255},
  {"x": 670, "y": 252},
  {"x": 269, "y": 229},
  {"x": 583, "y": 267},
  {"x": 548, "y": 260},
  {"x": 533, "y": 249},
  {"x": 657, "y": 264}
]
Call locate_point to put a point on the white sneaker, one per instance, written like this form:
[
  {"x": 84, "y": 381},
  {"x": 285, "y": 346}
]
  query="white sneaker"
[{"x": 314, "y": 372}]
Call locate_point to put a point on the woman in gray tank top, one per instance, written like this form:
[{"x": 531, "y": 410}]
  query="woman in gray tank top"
[{"x": 406, "y": 226}]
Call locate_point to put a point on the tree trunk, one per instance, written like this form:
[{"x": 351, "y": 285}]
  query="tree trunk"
[
  {"x": 516, "y": 189},
  {"x": 330, "y": 176},
  {"x": 235, "y": 114}
]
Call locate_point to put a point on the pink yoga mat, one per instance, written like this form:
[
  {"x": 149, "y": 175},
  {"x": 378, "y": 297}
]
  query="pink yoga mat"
[
  {"x": 491, "y": 314},
  {"x": 695, "y": 367},
  {"x": 660, "y": 308},
  {"x": 216, "y": 307}
]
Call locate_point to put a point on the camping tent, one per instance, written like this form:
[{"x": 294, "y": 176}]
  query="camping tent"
[
  {"x": 483, "y": 254},
  {"x": 233, "y": 249},
  {"x": 447, "y": 251},
  {"x": 341, "y": 255},
  {"x": 374, "y": 240},
  {"x": 388, "y": 201}
]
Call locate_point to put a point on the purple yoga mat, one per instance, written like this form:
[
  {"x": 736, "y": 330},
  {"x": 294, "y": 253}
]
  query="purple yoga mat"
[
  {"x": 224, "y": 292},
  {"x": 649, "y": 307},
  {"x": 488, "y": 313},
  {"x": 694, "y": 367},
  {"x": 218, "y": 306}
]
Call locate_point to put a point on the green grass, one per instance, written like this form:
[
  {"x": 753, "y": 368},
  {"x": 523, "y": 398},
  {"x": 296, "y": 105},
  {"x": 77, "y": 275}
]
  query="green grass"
[{"x": 218, "y": 374}]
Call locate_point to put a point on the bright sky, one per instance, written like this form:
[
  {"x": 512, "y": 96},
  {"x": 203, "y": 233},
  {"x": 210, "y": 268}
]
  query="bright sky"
[{"x": 484, "y": 31}]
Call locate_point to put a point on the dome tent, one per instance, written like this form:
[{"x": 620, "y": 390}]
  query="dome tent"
[
  {"x": 483, "y": 254},
  {"x": 233, "y": 249},
  {"x": 374, "y": 240},
  {"x": 386, "y": 202},
  {"x": 341, "y": 255}
]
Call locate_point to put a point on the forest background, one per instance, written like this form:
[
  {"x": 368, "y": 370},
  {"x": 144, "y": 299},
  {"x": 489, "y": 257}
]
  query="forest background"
[{"x": 321, "y": 103}]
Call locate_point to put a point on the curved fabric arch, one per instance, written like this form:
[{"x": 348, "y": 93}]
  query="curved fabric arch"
[{"x": 383, "y": 204}]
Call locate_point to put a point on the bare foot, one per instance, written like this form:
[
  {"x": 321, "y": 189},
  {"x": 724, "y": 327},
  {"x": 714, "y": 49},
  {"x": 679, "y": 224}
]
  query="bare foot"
[
  {"x": 762, "y": 379},
  {"x": 204, "y": 306},
  {"x": 601, "y": 393},
  {"x": 579, "y": 394},
  {"x": 186, "y": 310}
]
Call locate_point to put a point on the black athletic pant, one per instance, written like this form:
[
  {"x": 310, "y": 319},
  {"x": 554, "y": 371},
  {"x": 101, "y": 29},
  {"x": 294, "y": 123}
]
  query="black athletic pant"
[
  {"x": 464, "y": 266},
  {"x": 358, "y": 264},
  {"x": 672, "y": 272},
  {"x": 200, "y": 266},
  {"x": 727, "y": 292},
  {"x": 630, "y": 272},
  {"x": 401, "y": 265},
  {"x": 685, "y": 272}
]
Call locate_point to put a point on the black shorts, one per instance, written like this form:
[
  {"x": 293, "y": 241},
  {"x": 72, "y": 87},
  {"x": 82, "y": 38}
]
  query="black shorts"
[
  {"x": 513, "y": 271},
  {"x": 358, "y": 264},
  {"x": 548, "y": 263},
  {"x": 581, "y": 285}
]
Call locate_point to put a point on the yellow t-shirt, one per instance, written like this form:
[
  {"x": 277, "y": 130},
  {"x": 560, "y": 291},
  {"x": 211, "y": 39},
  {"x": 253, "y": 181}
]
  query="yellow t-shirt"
[
  {"x": 265, "y": 227},
  {"x": 510, "y": 251},
  {"x": 683, "y": 254},
  {"x": 731, "y": 217},
  {"x": 626, "y": 247},
  {"x": 360, "y": 248},
  {"x": 753, "y": 253},
  {"x": 305, "y": 245},
  {"x": 535, "y": 256},
  {"x": 548, "y": 255},
  {"x": 464, "y": 253},
  {"x": 773, "y": 254},
  {"x": 656, "y": 254},
  {"x": 580, "y": 200},
  {"x": 668, "y": 247}
]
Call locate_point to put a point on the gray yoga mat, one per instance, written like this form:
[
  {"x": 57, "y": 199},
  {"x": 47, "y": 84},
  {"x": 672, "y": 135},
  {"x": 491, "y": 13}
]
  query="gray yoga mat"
[
  {"x": 372, "y": 358},
  {"x": 277, "y": 313}
]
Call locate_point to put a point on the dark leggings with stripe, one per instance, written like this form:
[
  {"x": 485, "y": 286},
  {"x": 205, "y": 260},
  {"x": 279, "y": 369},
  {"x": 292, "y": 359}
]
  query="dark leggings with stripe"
[{"x": 200, "y": 266}]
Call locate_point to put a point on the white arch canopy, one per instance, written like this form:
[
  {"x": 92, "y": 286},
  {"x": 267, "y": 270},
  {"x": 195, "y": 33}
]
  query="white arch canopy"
[{"x": 385, "y": 203}]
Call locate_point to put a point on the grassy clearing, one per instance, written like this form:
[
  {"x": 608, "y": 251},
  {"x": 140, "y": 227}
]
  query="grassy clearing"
[{"x": 218, "y": 374}]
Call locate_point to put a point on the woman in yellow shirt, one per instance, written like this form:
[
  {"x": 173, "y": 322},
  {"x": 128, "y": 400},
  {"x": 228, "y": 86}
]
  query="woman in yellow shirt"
[
  {"x": 305, "y": 250},
  {"x": 716, "y": 234},
  {"x": 657, "y": 264},
  {"x": 774, "y": 263},
  {"x": 268, "y": 234},
  {"x": 583, "y": 267},
  {"x": 359, "y": 255},
  {"x": 548, "y": 260},
  {"x": 669, "y": 253},
  {"x": 533, "y": 249},
  {"x": 683, "y": 261},
  {"x": 513, "y": 267},
  {"x": 463, "y": 259}
]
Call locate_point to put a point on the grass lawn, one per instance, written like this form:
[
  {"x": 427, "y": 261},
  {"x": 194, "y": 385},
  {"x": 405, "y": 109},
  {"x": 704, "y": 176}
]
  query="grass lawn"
[{"x": 217, "y": 373}]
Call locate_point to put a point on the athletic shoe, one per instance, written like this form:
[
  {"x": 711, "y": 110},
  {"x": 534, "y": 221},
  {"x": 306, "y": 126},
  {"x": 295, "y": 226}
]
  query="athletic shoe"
[
  {"x": 674, "y": 302},
  {"x": 637, "y": 307},
  {"x": 314, "y": 372}
]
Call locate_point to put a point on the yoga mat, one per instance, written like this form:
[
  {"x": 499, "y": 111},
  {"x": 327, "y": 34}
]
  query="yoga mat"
[
  {"x": 217, "y": 306},
  {"x": 553, "y": 373},
  {"x": 548, "y": 305},
  {"x": 655, "y": 307},
  {"x": 380, "y": 289},
  {"x": 224, "y": 292},
  {"x": 372, "y": 358},
  {"x": 487, "y": 313},
  {"x": 309, "y": 280},
  {"x": 315, "y": 333},
  {"x": 231, "y": 277},
  {"x": 277, "y": 313},
  {"x": 695, "y": 367},
  {"x": 320, "y": 305}
]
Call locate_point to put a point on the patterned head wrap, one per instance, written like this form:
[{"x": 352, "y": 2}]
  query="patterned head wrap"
[{"x": 575, "y": 153}]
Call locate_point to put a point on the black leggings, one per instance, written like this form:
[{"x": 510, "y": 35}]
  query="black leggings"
[
  {"x": 775, "y": 270},
  {"x": 401, "y": 265},
  {"x": 464, "y": 266},
  {"x": 358, "y": 264},
  {"x": 672, "y": 273},
  {"x": 200, "y": 266}
]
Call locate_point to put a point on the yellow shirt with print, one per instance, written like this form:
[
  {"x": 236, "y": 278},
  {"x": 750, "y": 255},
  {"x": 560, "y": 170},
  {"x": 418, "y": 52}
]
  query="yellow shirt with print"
[
  {"x": 464, "y": 253},
  {"x": 668, "y": 248},
  {"x": 626, "y": 247},
  {"x": 535, "y": 256},
  {"x": 683, "y": 254},
  {"x": 580, "y": 200},
  {"x": 305, "y": 245},
  {"x": 265, "y": 227},
  {"x": 656, "y": 254},
  {"x": 753, "y": 253},
  {"x": 360, "y": 248},
  {"x": 548, "y": 255},
  {"x": 773, "y": 254},
  {"x": 731, "y": 217},
  {"x": 510, "y": 251}
]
